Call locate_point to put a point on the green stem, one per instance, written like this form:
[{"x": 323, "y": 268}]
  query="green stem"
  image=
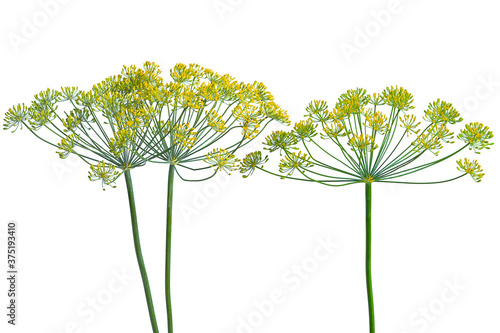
[
  {"x": 368, "y": 198},
  {"x": 168, "y": 253},
  {"x": 138, "y": 251}
]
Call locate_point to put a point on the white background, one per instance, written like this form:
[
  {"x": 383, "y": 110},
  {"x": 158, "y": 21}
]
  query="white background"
[{"x": 235, "y": 246}]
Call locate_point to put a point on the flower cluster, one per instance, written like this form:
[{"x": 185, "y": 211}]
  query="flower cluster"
[
  {"x": 365, "y": 146},
  {"x": 471, "y": 168},
  {"x": 252, "y": 161},
  {"x": 126, "y": 120},
  {"x": 222, "y": 159}
]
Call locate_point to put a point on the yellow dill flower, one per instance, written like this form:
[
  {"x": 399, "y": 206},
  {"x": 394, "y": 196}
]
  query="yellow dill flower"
[
  {"x": 318, "y": 112},
  {"x": 210, "y": 91},
  {"x": 105, "y": 172},
  {"x": 211, "y": 75},
  {"x": 69, "y": 94},
  {"x": 408, "y": 122},
  {"x": 184, "y": 136},
  {"x": 305, "y": 129},
  {"x": 376, "y": 99},
  {"x": 273, "y": 111},
  {"x": 340, "y": 112},
  {"x": 86, "y": 98},
  {"x": 251, "y": 161},
  {"x": 441, "y": 112},
  {"x": 134, "y": 118},
  {"x": 189, "y": 99},
  {"x": 293, "y": 161},
  {"x": 16, "y": 116},
  {"x": 472, "y": 168},
  {"x": 121, "y": 140},
  {"x": 398, "y": 98},
  {"x": 441, "y": 132},
  {"x": 280, "y": 140},
  {"x": 334, "y": 130},
  {"x": 263, "y": 94},
  {"x": 42, "y": 109},
  {"x": 222, "y": 159},
  {"x": 247, "y": 93},
  {"x": 67, "y": 144},
  {"x": 74, "y": 119},
  {"x": 362, "y": 142},
  {"x": 40, "y": 117},
  {"x": 377, "y": 121},
  {"x": 184, "y": 74},
  {"x": 228, "y": 87},
  {"x": 353, "y": 101},
  {"x": 47, "y": 97},
  {"x": 427, "y": 142},
  {"x": 250, "y": 117},
  {"x": 477, "y": 136},
  {"x": 215, "y": 121}
]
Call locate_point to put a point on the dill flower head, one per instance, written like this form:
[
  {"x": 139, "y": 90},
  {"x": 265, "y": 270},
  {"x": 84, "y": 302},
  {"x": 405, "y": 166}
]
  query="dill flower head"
[
  {"x": 409, "y": 122},
  {"x": 362, "y": 142},
  {"x": 377, "y": 121},
  {"x": 275, "y": 112},
  {"x": 106, "y": 172},
  {"x": 75, "y": 119},
  {"x": 250, "y": 118},
  {"x": 441, "y": 112},
  {"x": 69, "y": 94},
  {"x": 335, "y": 130},
  {"x": 294, "y": 161},
  {"x": 251, "y": 161},
  {"x": 317, "y": 111},
  {"x": 378, "y": 153},
  {"x": 186, "y": 74},
  {"x": 376, "y": 99},
  {"x": 476, "y": 135},
  {"x": 16, "y": 116},
  {"x": 442, "y": 133},
  {"x": 304, "y": 129},
  {"x": 281, "y": 140},
  {"x": 222, "y": 159},
  {"x": 67, "y": 144},
  {"x": 134, "y": 117},
  {"x": 427, "y": 142},
  {"x": 184, "y": 137},
  {"x": 215, "y": 121},
  {"x": 121, "y": 141},
  {"x": 41, "y": 111},
  {"x": 352, "y": 102},
  {"x": 398, "y": 98},
  {"x": 472, "y": 168}
]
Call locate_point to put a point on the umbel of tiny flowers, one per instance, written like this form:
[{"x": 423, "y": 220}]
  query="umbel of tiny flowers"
[
  {"x": 367, "y": 139},
  {"x": 132, "y": 118},
  {"x": 208, "y": 117},
  {"x": 109, "y": 127}
]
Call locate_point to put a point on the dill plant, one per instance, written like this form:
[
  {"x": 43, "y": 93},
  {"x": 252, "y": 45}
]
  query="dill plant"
[
  {"x": 135, "y": 117},
  {"x": 367, "y": 139}
]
